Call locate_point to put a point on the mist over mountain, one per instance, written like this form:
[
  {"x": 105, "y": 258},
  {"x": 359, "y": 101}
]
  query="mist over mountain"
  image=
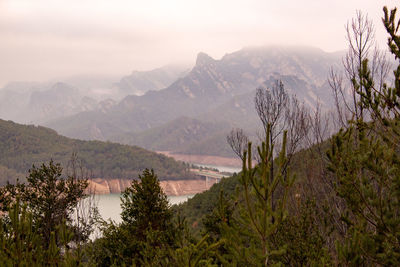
[
  {"x": 214, "y": 91},
  {"x": 159, "y": 109},
  {"x": 15, "y": 98},
  {"x": 40, "y": 102},
  {"x": 139, "y": 82}
]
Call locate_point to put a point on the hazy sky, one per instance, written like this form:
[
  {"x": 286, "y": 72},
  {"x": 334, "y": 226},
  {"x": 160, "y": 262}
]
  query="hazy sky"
[{"x": 43, "y": 39}]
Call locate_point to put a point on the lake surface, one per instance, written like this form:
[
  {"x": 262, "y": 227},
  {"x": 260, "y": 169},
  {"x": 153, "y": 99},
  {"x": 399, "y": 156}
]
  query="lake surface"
[{"x": 110, "y": 205}]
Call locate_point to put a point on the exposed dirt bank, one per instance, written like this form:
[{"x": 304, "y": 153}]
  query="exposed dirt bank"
[
  {"x": 204, "y": 159},
  {"x": 170, "y": 187}
]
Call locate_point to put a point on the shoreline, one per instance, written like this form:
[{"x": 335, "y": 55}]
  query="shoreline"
[
  {"x": 181, "y": 187},
  {"x": 99, "y": 186}
]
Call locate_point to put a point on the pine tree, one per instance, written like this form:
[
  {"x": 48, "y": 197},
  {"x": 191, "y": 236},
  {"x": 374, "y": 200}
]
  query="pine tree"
[
  {"x": 147, "y": 233},
  {"x": 145, "y": 205},
  {"x": 365, "y": 161},
  {"x": 50, "y": 197},
  {"x": 261, "y": 207},
  {"x": 21, "y": 244}
]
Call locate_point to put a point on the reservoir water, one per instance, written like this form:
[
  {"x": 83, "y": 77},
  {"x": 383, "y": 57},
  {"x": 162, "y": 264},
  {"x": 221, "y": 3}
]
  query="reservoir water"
[{"x": 110, "y": 205}]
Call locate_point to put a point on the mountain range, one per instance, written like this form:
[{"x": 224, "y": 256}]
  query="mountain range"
[
  {"x": 140, "y": 82},
  {"x": 40, "y": 102},
  {"x": 173, "y": 108},
  {"x": 214, "y": 92}
]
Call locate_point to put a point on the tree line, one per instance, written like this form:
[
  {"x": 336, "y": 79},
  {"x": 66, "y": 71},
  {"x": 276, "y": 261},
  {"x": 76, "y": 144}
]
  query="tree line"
[{"x": 24, "y": 145}]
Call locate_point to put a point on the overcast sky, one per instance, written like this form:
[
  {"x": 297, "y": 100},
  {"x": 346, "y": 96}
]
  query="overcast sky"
[{"x": 45, "y": 39}]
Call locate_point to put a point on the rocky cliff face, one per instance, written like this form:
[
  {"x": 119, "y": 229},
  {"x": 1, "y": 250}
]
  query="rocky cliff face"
[
  {"x": 210, "y": 84},
  {"x": 170, "y": 187}
]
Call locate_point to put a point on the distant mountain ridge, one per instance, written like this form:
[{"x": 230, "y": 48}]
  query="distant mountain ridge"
[
  {"x": 140, "y": 82},
  {"x": 209, "y": 85},
  {"x": 40, "y": 102}
]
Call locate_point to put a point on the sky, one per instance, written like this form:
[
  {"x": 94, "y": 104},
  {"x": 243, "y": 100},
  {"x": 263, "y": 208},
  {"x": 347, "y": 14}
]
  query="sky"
[{"x": 46, "y": 39}]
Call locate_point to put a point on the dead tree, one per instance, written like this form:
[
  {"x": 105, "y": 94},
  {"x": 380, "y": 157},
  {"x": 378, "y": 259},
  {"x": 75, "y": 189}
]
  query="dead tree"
[
  {"x": 276, "y": 109},
  {"x": 360, "y": 35},
  {"x": 238, "y": 141},
  {"x": 270, "y": 105}
]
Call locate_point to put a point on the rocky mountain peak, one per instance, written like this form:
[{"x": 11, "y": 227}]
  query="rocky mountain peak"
[{"x": 203, "y": 59}]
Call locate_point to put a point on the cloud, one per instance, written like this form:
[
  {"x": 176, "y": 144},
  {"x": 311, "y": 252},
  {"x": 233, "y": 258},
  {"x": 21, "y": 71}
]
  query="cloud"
[{"x": 46, "y": 38}]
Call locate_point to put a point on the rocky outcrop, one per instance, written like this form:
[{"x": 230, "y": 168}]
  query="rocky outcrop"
[
  {"x": 210, "y": 84},
  {"x": 102, "y": 186},
  {"x": 185, "y": 187},
  {"x": 170, "y": 187}
]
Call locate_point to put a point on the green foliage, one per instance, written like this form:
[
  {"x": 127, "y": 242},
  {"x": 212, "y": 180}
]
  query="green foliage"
[
  {"x": 145, "y": 205},
  {"x": 365, "y": 162},
  {"x": 148, "y": 234},
  {"x": 260, "y": 210},
  {"x": 50, "y": 197},
  {"x": 200, "y": 254},
  {"x": 367, "y": 172},
  {"x": 196, "y": 209},
  {"x": 263, "y": 216},
  {"x": 21, "y": 146},
  {"x": 183, "y": 135},
  {"x": 21, "y": 243},
  {"x": 304, "y": 241},
  {"x": 304, "y": 231}
]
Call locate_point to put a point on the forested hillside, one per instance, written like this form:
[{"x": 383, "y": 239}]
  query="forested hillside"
[
  {"x": 183, "y": 135},
  {"x": 24, "y": 145}
]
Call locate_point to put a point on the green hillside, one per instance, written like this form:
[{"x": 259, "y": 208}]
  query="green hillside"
[
  {"x": 183, "y": 135},
  {"x": 306, "y": 164},
  {"x": 24, "y": 145}
]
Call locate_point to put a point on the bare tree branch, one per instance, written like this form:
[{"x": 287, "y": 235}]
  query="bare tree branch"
[
  {"x": 238, "y": 141},
  {"x": 270, "y": 106},
  {"x": 360, "y": 34}
]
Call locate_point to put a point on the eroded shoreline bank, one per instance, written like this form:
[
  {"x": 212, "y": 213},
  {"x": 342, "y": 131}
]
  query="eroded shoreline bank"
[{"x": 101, "y": 186}]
